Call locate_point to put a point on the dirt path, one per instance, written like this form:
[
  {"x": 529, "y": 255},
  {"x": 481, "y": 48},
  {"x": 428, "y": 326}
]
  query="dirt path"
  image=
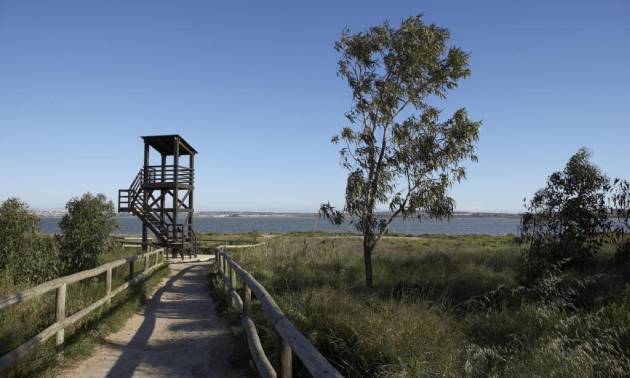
[{"x": 178, "y": 334}]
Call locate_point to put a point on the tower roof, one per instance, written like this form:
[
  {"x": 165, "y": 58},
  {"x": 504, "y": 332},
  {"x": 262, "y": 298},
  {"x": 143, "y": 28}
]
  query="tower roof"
[{"x": 165, "y": 144}]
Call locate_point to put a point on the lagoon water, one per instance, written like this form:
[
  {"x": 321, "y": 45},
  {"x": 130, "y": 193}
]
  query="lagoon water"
[{"x": 490, "y": 225}]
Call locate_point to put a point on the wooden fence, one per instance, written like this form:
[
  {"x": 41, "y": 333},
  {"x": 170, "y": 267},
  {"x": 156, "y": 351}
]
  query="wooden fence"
[
  {"x": 61, "y": 284},
  {"x": 292, "y": 340}
]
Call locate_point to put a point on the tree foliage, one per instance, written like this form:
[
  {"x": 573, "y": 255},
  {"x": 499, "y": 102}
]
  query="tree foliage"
[
  {"x": 26, "y": 256},
  {"x": 86, "y": 231},
  {"x": 398, "y": 150},
  {"x": 569, "y": 218}
]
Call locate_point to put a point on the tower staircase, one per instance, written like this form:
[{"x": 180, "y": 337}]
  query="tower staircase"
[{"x": 160, "y": 193}]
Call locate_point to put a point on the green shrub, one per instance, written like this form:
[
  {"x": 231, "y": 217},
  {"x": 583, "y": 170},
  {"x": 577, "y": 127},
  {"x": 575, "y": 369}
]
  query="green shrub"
[
  {"x": 26, "y": 255},
  {"x": 86, "y": 231},
  {"x": 568, "y": 219}
]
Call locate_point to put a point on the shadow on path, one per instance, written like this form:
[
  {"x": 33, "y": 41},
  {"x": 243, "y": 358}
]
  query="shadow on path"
[{"x": 179, "y": 335}]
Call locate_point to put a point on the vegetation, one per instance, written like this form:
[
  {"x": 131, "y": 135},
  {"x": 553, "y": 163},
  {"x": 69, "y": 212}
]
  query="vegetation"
[
  {"x": 446, "y": 306},
  {"x": 23, "y": 321},
  {"x": 28, "y": 257},
  {"x": 86, "y": 231},
  {"x": 568, "y": 220},
  {"x": 459, "y": 306},
  {"x": 398, "y": 150}
]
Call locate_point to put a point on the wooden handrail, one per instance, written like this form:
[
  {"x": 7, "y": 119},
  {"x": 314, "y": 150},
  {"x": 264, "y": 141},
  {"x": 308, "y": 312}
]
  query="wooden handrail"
[
  {"x": 60, "y": 284},
  {"x": 292, "y": 339}
]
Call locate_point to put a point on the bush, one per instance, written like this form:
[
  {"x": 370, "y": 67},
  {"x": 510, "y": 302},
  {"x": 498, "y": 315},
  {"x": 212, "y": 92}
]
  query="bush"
[
  {"x": 568, "y": 219},
  {"x": 26, "y": 255},
  {"x": 86, "y": 231}
]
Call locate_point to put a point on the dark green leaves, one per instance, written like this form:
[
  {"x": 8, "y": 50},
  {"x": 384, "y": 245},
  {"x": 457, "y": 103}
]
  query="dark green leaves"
[
  {"x": 568, "y": 219},
  {"x": 87, "y": 229},
  {"x": 26, "y": 256}
]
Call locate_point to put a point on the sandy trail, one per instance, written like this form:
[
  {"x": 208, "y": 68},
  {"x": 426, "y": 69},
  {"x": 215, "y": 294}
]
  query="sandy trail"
[{"x": 178, "y": 334}]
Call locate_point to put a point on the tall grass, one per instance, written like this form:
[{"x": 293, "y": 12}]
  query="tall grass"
[{"x": 444, "y": 306}]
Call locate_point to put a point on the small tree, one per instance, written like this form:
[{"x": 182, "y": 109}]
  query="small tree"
[
  {"x": 568, "y": 219},
  {"x": 397, "y": 150},
  {"x": 86, "y": 231},
  {"x": 26, "y": 256}
]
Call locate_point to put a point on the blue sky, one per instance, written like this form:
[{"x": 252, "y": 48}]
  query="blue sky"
[{"x": 253, "y": 87}]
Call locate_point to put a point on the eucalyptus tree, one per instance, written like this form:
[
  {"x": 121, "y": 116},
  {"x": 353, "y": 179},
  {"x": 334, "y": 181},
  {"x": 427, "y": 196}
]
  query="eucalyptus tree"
[
  {"x": 568, "y": 221},
  {"x": 398, "y": 149},
  {"x": 86, "y": 231},
  {"x": 26, "y": 255}
]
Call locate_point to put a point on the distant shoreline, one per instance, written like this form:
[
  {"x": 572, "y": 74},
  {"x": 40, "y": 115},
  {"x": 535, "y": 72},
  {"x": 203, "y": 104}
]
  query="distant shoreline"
[{"x": 254, "y": 214}]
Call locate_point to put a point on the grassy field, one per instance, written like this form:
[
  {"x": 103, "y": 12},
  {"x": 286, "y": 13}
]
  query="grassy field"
[
  {"x": 444, "y": 306},
  {"x": 20, "y": 322},
  {"x": 207, "y": 242}
]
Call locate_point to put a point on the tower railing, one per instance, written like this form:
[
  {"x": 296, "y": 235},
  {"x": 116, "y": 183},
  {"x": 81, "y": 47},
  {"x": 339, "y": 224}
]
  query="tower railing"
[
  {"x": 157, "y": 174},
  {"x": 128, "y": 197}
]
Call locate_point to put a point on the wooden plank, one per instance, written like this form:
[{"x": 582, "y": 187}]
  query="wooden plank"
[
  {"x": 286, "y": 360},
  {"x": 60, "y": 311},
  {"x": 22, "y": 296},
  {"x": 233, "y": 288},
  {"x": 314, "y": 362},
  {"x": 256, "y": 350},
  {"x": 247, "y": 300},
  {"x": 237, "y": 302},
  {"x": 224, "y": 271},
  {"x": 108, "y": 283}
]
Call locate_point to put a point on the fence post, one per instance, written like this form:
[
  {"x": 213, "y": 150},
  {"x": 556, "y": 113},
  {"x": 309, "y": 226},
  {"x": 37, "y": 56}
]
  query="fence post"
[
  {"x": 219, "y": 264},
  {"x": 108, "y": 285},
  {"x": 225, "y": 272},
  {"x": 228, "y": 273},
  {"x": 286, "y": 360},
  {"x": 247, "y": 299},
  {"x": 232, "y": 278},
  {"x": 233, "y": 285},
  {"x": 61, "y": 311}
]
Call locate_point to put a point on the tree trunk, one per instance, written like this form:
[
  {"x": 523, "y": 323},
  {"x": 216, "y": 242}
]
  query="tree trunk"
[{"x": 368, "y": 247}]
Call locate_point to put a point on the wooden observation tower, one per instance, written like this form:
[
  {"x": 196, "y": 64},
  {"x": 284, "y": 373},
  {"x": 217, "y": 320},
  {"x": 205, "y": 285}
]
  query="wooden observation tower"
[{"x": 161, "y": 195}]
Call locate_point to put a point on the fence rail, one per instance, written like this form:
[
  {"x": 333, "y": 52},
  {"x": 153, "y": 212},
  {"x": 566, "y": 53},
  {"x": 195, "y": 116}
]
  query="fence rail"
[
  {"x": 292, "y": 340},
  {"x": 61, "y": 284},
  {"x": 160, "y": 174}
]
